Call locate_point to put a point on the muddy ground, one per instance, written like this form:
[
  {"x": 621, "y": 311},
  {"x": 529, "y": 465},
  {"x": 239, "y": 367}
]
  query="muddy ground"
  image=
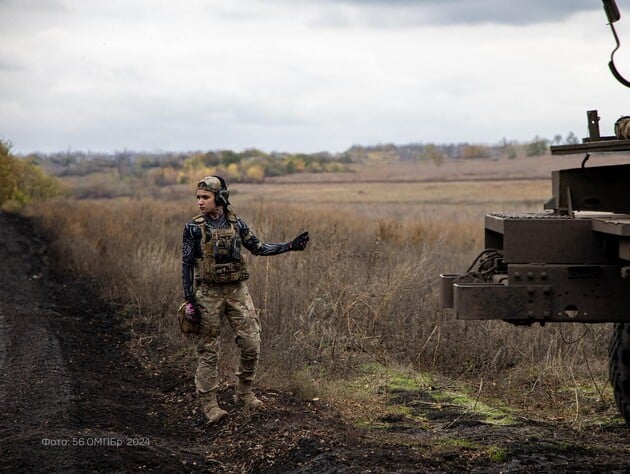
[{"x": 73, "y": 399}]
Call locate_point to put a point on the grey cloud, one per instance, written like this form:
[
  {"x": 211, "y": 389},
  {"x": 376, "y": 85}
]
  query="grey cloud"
[
  {"x": 10, "y": 65},
  {"x": 501, "y": 11},
  {"x": 25, "y": 17},
  {"x": 410, "y": 12}
]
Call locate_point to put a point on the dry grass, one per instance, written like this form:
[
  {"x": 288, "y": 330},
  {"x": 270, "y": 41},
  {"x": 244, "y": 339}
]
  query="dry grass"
[
  {"x": 364, "y": 291},
  {"x": 522, "y": 167}
]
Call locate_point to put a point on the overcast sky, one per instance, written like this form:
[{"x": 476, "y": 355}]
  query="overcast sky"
[{"x": 303, "y": 75}]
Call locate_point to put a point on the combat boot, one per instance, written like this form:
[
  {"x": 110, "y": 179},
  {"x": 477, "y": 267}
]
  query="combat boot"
[
  {"x": 245, "y": 396},
  {"x": 211, "y": 408}
]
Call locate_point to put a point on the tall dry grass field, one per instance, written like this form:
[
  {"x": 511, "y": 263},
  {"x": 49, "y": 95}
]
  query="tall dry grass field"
[{"x": 364, "y": 291}]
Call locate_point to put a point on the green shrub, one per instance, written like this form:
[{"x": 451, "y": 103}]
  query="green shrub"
[{"x": 22, "y": 180}]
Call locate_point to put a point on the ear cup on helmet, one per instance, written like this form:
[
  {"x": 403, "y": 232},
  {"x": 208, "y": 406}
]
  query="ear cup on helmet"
[{"x": 221, "y": 197}]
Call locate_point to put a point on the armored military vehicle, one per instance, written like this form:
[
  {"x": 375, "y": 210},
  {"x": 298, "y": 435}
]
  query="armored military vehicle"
[{"x": 570, "y": 262}]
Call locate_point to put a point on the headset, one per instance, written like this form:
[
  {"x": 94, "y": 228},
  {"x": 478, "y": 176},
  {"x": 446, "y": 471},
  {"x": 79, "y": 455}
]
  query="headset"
[{"x": 222, "y": 195}]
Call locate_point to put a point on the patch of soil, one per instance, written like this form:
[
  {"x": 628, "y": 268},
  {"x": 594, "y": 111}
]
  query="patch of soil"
[{"x": 74, "y": 399}]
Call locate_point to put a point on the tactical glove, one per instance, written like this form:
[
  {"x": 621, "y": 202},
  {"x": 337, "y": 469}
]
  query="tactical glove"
[
  {"x": 299, "y": 243},
  {"x": 192, "y": 312}
]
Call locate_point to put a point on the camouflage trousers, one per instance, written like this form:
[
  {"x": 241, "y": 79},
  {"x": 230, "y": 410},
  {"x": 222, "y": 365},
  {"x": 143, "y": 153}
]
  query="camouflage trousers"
[{"x": 233, "y": 301}]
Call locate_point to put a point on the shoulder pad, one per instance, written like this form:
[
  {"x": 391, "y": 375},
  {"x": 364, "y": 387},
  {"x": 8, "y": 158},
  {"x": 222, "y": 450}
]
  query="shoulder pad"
[
  {"x": 231, "y": 216},
  {"x": 199, "y": 219}
]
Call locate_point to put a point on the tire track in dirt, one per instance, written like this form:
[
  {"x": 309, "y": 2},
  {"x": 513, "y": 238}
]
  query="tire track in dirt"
[
  {"x": 35, "y": 394},
  {"x": 72, "y": 398}
]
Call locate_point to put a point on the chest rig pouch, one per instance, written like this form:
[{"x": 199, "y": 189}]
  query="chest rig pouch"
[{"x": 222, "y": 260}]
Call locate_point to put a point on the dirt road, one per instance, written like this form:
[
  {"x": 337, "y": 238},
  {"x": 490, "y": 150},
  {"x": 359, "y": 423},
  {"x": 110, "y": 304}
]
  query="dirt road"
[{"x": 73, "y": 399}]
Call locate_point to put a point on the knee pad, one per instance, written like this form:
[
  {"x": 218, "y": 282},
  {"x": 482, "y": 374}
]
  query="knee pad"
[{"x": 250, "y": 346}]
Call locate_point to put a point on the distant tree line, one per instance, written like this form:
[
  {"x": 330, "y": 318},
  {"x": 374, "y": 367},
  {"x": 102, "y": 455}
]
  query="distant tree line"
[
  {"x": 253, "y": 165},
  {"x": 437, "y": 153}
]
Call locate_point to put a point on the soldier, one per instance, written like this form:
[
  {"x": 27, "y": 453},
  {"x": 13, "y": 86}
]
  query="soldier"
[{"x": 214, "y": 273}]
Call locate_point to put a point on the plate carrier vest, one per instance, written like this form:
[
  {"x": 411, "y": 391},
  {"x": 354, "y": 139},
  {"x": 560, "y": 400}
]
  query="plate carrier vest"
[{"x": 222, "y": 261}]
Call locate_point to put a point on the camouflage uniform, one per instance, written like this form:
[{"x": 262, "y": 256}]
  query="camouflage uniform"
[
  {"x": 231, "y": 299},
  {"x": 214, "y": 271}
]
